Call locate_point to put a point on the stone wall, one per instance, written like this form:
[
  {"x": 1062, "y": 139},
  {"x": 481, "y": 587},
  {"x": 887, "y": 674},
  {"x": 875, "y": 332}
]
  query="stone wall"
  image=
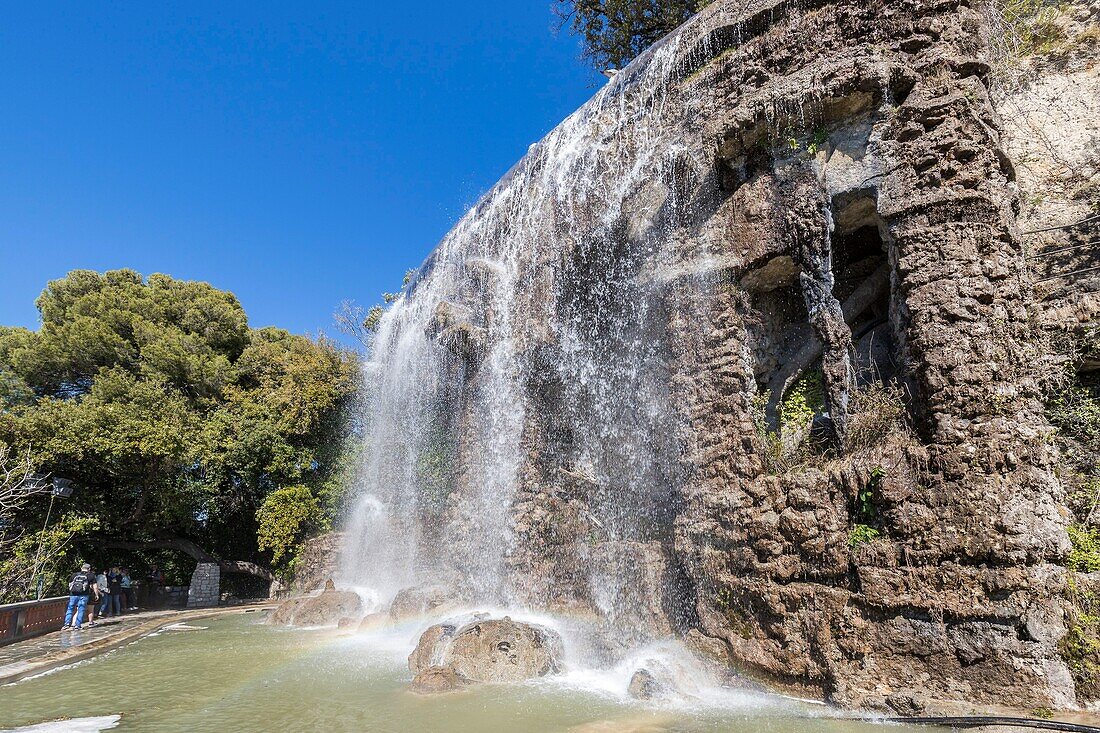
[{"x": 205, "y": 589}]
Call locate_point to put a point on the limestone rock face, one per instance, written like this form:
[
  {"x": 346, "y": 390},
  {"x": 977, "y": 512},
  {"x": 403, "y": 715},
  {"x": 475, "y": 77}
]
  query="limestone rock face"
[
  {"x": 317, "y": 561},
  {"x": 830, "y": 197},
  {"x": 486, "y": 650}
]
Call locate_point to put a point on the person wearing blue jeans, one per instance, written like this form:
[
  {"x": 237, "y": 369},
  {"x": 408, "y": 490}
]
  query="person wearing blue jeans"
[{"x": 82, "y": 586}]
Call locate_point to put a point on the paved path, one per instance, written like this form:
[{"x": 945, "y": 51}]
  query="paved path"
[{"x": 43, "y": 653}]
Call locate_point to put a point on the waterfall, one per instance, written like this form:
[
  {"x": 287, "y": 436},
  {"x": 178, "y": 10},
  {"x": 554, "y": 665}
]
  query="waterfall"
[{"x": 518, "y": 389}]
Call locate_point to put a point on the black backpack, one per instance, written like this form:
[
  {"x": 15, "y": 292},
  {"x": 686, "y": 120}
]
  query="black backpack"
[{"x": 78, "y": 586}]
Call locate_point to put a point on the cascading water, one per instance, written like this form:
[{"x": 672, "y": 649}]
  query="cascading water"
[{"x": 526, "y": 363}]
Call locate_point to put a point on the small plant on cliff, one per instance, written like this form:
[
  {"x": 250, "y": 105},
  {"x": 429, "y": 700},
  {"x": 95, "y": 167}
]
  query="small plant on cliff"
[
  {"x": 876, "y": 411},
  {"x": 1030, "y": 26},
  {"x": 862, "y": 533},
  {"x": 802, "y": 401},
  {"x": 771, "y": 445},
  {"x": 1075, "y": 411},
  {"x": 1080, "y": 647},
  {"x": 817, "y": 140},
  {"x": 867, "y": 498},
  {"x": 1084, "y": 557}
]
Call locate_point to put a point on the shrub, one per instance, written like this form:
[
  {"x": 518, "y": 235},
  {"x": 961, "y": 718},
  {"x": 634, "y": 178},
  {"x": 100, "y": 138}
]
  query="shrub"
[
  {"x": 802, "y": 401},
  {"x": 287, "y": 517},
  {"x": 1029, "y": 26},
  {"x": 1075, "y": 411},
  {"x": 1084, "y": 557},
  {"x": 875, "y": 411}
]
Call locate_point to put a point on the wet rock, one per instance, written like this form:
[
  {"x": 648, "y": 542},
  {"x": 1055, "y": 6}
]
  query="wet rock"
[
  {"x": 284, "y": 614},
  {"x": 435, "y": 680},
  {"x": 504, "y": 651},
  {"x": 346, "y": 622},
  {"x": 905, "y": 703},
  {"x": 644, "y": 685},
  {"x": 330, "y": 607},
  {"x": 419, "y": 600},
  {"x": 429, "y": 650},
  {"x": 374, "y": 621}
]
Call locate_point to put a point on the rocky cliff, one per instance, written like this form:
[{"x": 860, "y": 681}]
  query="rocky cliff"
[{"x": 750, "y": 351}]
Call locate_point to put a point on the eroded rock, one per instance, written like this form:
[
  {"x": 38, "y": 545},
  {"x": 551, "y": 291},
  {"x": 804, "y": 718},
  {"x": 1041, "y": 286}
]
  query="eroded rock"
[
  {"x": 429, "y": 650},
  {"x": 435, "y": 680},
  {"x": 331, "y": 607},
  {"x": 644, "y": 685},
  {"x": 417, "y": 601},
  {"x": 485, "y": 650},
  {"x": 374, "y": 621},
  {"x": 504, "y": 651}
]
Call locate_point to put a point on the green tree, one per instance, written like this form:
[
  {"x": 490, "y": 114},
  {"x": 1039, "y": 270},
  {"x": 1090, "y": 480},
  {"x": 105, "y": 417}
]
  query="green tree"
[
  {"x": 616, "y": 31},
  {"x": 286, "y": 518},
  {"x": 174, "y": 418}
]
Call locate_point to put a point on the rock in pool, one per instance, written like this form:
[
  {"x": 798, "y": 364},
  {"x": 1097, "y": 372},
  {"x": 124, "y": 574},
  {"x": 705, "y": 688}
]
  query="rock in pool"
[
  {"x": 326, "y": 609},
  {"x": 486, "y": 650},
  {"x": 416, "y": 601}
]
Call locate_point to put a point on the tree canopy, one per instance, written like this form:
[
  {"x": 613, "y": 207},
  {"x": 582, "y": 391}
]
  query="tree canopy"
[
  {"x": 173, "y": 417},
  {"x": 616, "y": 31}
]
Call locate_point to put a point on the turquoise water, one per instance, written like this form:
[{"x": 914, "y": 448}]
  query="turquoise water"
[{"x": 239, "y": 675}]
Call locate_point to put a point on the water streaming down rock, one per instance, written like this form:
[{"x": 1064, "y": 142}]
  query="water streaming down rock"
[
  {"x": 570, "y": 403},
  {"x": 534, "y": 322}
]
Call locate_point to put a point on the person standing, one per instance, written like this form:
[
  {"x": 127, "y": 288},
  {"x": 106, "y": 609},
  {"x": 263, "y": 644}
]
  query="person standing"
[
  {"x": 127, "y": 587},
  {"x": 104, "y": 594},
  {"x": 114, "y": 586},
  {"x": 156, "y": 582},
  {"x": 81, "y": 587}
]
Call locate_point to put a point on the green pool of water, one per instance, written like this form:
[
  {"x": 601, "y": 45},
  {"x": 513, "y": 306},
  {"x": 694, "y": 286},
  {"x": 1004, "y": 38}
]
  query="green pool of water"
[{"x": 238, "y": 675}]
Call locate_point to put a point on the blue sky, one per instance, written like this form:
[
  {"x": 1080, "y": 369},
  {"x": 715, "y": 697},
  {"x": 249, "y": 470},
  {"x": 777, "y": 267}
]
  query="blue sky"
[{"x": 296, "y": 154}]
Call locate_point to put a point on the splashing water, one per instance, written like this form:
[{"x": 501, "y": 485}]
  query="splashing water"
[{"x": 522, "y": 442}]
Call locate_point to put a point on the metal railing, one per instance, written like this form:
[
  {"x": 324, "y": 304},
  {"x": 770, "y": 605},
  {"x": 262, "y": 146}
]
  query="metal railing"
[{"x": 31, "y": 618}]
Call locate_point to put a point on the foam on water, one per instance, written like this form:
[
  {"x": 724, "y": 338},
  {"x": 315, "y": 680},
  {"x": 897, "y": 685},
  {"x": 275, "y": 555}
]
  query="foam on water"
[{"x": 72, "y": 725}]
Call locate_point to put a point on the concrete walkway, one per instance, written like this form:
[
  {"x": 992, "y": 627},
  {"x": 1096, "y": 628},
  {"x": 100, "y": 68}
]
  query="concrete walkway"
[{"x": 49, "y": 651}]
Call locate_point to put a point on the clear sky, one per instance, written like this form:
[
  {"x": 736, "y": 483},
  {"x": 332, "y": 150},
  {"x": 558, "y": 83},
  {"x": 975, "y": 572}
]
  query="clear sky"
[{"x": 295, "y": 153}]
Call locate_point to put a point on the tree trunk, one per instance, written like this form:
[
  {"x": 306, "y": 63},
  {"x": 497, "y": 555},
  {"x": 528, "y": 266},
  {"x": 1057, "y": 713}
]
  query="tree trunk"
[{"x": 191, "y": 549}]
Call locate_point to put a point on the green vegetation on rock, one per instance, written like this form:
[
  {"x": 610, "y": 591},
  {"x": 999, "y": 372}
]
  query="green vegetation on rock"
[{"x": 862, "y": 533}]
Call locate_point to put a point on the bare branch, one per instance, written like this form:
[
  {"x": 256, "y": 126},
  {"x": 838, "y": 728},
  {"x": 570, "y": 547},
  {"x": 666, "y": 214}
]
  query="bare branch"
[
  {"x": 351, "y": 320},
  {"x": 17, "y": 481}
]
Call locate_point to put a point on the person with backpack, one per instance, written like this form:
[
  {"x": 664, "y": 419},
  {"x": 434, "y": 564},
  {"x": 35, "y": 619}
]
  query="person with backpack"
[{"x": 81, "y": 587}]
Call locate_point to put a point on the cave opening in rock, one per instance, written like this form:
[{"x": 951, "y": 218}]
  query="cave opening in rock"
[{"x": 861, "y": 273}]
